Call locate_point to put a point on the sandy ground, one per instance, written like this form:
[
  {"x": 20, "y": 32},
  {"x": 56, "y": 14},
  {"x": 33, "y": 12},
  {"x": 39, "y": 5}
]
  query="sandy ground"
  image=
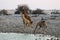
[{"x": 14, "y": 24}]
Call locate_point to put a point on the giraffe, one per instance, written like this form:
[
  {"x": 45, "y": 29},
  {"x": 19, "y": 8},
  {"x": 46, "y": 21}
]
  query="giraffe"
[
  {"x": 41, "y": 24},
  {"x": 26, "y": 19}
]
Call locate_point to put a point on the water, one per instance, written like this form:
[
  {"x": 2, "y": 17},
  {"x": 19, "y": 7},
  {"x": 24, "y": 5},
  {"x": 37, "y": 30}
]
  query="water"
[{"x": 19, "y": 36}]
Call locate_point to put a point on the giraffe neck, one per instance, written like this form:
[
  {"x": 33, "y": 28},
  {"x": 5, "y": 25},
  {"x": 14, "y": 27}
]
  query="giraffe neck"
[{"x": 25, "y": 13}]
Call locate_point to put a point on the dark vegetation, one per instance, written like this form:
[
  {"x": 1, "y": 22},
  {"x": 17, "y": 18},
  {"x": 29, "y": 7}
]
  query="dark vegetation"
[
  {"x": 55, "y": 12},
  {"x": 37, "y": 11},
  {"x": 30, "y": 11},
  {"x": 18, "y": 10},
  {"x": 3, "y": 12}
]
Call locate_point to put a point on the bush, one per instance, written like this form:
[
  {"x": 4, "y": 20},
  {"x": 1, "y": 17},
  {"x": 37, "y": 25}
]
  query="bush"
[
  {"x": 19, "y": 8},
  {"x": 3, "y": 12},
  {"x": 38, "y": 11},
  {"x": 55, "y": 12}
]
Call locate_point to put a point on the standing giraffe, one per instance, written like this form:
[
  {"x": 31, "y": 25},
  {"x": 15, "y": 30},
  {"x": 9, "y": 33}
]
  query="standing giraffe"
[
  {"x": 26, "y": 19},
  {"x": 41, "y": 24}
]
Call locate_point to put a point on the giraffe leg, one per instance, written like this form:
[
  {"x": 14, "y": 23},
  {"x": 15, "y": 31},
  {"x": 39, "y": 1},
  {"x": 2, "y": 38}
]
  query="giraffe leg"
[
  {"x": 28, "y": 24},
  {"x": 35, "y": 28},
  {"x": 24, "y": 25},
  {"x": 44, "y": 31},
  {"x": 39, "y": 26}
]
